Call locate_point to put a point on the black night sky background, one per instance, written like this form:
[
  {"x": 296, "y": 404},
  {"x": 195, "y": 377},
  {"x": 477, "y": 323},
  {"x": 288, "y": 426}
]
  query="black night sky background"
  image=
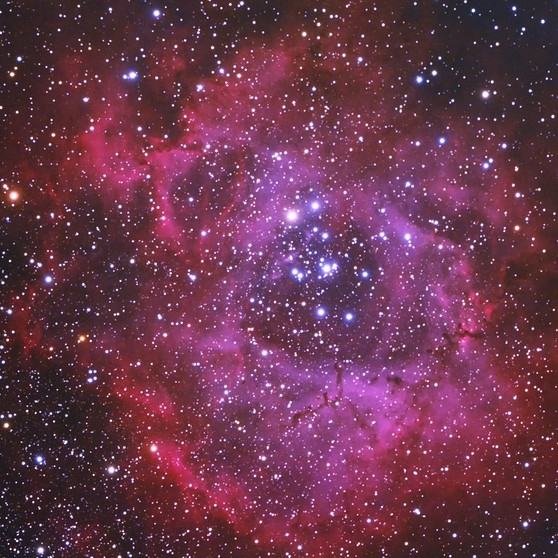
[{"x": 279, "y": 279}]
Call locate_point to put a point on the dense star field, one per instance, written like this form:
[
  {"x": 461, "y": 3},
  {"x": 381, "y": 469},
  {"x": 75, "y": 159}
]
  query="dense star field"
[{"x": 278, "y": 278}]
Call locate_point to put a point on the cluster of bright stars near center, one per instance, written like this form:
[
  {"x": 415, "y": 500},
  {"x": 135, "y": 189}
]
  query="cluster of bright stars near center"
[{"x": 326, "y": 268}]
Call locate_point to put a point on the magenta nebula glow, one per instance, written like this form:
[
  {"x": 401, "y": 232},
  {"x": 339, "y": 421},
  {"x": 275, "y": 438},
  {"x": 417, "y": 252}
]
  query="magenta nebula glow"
[{"x": 279, "y": 279}]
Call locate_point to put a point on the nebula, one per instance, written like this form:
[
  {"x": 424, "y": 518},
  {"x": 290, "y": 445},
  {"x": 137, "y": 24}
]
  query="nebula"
[{"x": 279, "y": 279}]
